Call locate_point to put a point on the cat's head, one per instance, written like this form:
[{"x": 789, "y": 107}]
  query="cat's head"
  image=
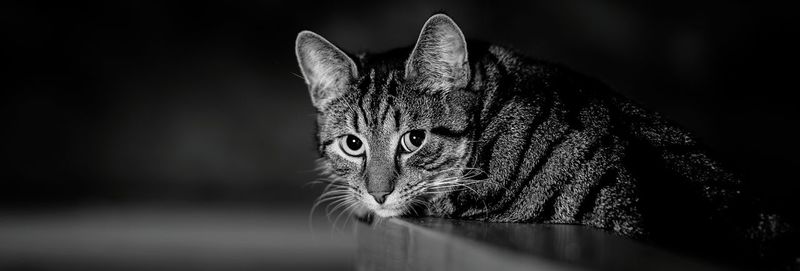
[{"x": 392, "y": 132}]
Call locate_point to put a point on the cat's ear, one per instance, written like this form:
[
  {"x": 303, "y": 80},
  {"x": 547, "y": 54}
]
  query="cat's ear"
[
  {"x": 326, "y": 69},
  {"x": 439, "y": 60}
]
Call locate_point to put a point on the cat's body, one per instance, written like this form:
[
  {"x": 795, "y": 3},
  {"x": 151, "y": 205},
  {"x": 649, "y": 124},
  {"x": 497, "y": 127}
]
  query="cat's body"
[
  {"x": 510, "y": 139},
  {"x": 558, "y": 147}
]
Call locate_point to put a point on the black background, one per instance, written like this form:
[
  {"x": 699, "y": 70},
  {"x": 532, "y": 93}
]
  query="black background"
[
  {"x": 156, "y": 135},
  {"x": 201, "y": 102}
]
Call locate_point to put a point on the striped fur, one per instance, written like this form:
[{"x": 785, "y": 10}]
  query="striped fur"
[{"x": 530, "y": 141}]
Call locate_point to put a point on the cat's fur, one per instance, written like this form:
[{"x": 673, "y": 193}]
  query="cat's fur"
[{"x": 511, "y": 139}]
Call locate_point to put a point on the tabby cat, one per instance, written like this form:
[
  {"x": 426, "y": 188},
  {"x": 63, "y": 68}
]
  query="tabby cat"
[{"x": 471, "y": 130}]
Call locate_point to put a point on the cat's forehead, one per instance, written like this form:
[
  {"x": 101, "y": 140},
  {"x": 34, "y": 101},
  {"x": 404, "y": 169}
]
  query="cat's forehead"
[
  {"x": 377, "y": 78},
  {"x": 379, "y": 99},
  {"x": 375, "y": 75},
  {"x": 379, "y": 103}
]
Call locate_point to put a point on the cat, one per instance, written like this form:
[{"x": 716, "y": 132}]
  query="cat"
[{"x": 472, "y": 130}]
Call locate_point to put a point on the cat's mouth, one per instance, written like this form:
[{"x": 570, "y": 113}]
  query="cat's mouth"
[
  {"x": 394, "y": 209},
  {"x": 390, "y": 208}
]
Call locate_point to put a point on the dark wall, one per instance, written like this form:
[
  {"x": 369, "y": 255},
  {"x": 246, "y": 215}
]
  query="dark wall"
[{"x": 202, "y": 101}]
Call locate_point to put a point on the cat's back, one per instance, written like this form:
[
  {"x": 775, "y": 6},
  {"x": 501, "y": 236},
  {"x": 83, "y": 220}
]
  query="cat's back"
[{"x": 679, "y": 191}]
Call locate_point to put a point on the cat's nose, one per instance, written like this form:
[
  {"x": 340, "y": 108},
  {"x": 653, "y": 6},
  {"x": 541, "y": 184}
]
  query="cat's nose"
[{"x": 380, "y": 197}]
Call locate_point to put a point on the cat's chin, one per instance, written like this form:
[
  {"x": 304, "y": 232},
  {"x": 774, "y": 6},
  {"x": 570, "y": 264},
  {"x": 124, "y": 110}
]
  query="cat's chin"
[{"x": 386, "y": 213}]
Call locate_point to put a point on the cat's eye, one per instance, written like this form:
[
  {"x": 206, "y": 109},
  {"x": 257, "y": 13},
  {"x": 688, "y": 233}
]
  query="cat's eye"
[
  {"x": 352, "y": 145},
  {"x": 412, "y": 140}
]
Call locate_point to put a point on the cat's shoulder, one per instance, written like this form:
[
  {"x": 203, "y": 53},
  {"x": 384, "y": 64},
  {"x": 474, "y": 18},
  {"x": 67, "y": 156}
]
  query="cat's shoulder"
[
  {"x": 516, "y": 61},
  {"x": 519, "y": 66}
]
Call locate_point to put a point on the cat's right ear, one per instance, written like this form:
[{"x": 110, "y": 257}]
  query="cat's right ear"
[
  {"x": 327, "y": 70},
  {"x": 439, "y": 60}
]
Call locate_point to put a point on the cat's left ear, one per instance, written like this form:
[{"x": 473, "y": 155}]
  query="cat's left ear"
[
  {"x": 327, "y": 70},
  {"x": 439, "y": 60}
]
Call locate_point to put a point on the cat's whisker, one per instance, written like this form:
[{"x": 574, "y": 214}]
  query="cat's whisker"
[
  {"x": 348, "y": 204},
  {"x": 410, "y": 206},
  {"x": 333, "y": 194},
  {"x": 331, "y": 186},
  {"x": 336, "y": 189},
  {"x": 453, "y": 182},
  {"x": 441, "y": 184},
  {"x": 351, "y": 211},
  {"x": 327, "y": 196},
  {"x": 333, "y": 197},
  {"x": 339, "y": 204},
  {"x": 462, "y": 169}
]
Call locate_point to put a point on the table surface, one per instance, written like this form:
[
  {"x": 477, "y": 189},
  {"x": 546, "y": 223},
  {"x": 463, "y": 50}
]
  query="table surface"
[
  {"x": 172, "y": 238},
  {"x": 442, "y": 244}
]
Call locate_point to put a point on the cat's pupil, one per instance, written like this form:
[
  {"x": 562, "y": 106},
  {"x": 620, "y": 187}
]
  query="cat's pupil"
[
  {"x": 353, "y": 142},
  {"x": 416, "y": 137}
]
